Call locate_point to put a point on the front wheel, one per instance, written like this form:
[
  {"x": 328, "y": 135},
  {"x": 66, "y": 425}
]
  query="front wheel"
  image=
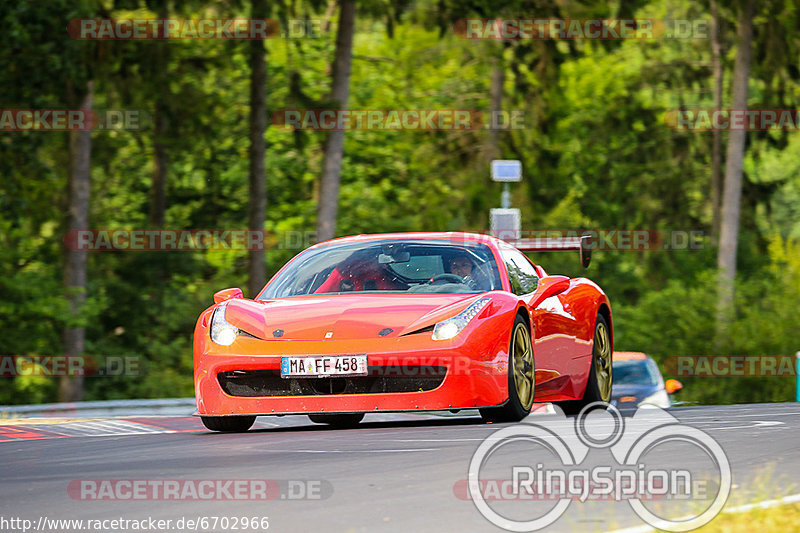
[
  {"x": 521, "y": 378},
  {"x": 228, "y": 424},
  {"x": 598, "y": 387}
]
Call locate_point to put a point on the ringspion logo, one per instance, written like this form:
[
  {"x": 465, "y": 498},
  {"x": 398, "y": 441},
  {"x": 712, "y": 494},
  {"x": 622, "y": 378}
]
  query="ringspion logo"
[{"x": 538, "y": 464}]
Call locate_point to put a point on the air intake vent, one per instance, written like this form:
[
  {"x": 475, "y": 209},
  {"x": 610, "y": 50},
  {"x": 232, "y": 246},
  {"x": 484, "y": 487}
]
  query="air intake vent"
[{"x": 260, "y": 383}]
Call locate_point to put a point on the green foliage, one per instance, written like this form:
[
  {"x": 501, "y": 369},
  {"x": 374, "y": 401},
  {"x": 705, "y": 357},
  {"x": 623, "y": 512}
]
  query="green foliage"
[
  {"x": 595, "y": 147},
  {"x": 679, "y": 320}
]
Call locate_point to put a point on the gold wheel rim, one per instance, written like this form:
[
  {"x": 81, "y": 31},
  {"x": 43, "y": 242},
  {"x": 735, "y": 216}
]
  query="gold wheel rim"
[
  {"x": 523, "y": 366},
  {"x": 602, "y": 361}
]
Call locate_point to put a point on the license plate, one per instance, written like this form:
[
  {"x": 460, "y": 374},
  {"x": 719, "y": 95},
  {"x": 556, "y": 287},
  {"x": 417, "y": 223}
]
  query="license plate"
[{"x": 323, "y": 366}]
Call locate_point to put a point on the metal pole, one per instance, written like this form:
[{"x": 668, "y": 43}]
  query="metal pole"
[
  {"x": 797, "y": 378},
  {"x": 505, "y": 199}
]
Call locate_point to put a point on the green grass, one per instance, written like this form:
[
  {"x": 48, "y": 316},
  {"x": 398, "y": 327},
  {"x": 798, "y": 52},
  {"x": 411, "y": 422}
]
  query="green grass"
[{"x": 779, "y": 519}]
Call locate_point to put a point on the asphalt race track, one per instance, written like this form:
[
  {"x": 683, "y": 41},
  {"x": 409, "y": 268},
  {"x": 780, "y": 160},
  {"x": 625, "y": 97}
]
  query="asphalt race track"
[{"x": 395, "y": 472}]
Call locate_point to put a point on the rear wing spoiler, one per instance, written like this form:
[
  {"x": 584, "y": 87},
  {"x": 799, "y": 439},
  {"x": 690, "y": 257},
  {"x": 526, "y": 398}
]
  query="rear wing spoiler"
[{"x": 582, "y": 244}]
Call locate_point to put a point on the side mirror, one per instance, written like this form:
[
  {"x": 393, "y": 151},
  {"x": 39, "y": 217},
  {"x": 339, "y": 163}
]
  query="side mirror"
[
  {"x": 549, "y": 286},
  {"x": 227, "y": 294},
  {"x": 672, "y": 386}
]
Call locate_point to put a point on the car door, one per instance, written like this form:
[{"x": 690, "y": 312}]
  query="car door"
[{"x": 553, "y": 327}]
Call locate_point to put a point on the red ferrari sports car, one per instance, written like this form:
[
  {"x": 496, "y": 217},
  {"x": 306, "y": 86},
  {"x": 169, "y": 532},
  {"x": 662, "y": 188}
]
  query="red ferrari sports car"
[{"x": 405, "y": 322}]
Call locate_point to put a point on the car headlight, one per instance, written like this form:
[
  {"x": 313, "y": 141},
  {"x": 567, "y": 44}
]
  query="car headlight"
[
  {"x": 659, "y": 399},
  {"x": 222, "y": 331},
  {"x": 447, "y": 329}
]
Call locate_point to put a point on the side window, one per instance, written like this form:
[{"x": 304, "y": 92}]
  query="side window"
[{"x": 521, "y": 273}]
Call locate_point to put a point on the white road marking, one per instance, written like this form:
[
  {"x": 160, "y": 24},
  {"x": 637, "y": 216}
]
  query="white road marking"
[
  {"x": 441, "y": 440},
  {"x": 101, "y": 428},
  {"x": 728, "y": 416},
  {"x": 401, "y": 450},
  {"x": 752, "y": 425},
  {"x": 786, "y": 500}
]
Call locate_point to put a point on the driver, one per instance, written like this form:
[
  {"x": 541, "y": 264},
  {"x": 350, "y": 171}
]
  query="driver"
[{"x": 461, "y": 265}]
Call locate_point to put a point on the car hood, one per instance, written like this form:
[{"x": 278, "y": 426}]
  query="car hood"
[{"x": 343, "y": 317}]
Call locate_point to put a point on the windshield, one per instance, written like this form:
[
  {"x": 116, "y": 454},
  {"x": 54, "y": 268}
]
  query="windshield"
[
  {"x": 391, "y": 266},
  {"x": 636, "y": 372}
]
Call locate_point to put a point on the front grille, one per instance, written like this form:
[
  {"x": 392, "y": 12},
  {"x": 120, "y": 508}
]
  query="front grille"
[{"x": 253, "y": 383}]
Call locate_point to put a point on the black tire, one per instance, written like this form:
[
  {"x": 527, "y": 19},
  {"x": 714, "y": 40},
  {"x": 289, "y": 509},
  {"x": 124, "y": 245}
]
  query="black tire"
[
  {"x": 597, "y": 390},
  {"x": 338, "y": 420},
  {"x": 228, "y": 424},
  {"x": 520, "y": 376}
]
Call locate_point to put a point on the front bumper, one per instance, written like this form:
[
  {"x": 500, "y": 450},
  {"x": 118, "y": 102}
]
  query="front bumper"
[{"x": 474, "y": 375}]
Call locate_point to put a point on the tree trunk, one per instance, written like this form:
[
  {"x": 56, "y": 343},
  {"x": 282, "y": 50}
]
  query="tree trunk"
[
  {"x": 496, "y": 102},
  {"x": 731, "y": 200},
  {"x": 326, "y": 18},
  {"x": 80, "y": 155},
  {"x": 158, "y": 189},
  {"x": 258, "y": 125},
  {"x": 158, "y": 196},
  {"x": 716, "y": 147},
  {"x": 328, "y": 205}
]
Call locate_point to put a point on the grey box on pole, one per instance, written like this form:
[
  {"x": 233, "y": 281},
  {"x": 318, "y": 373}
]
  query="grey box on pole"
[{"x": 505, "y": 223}]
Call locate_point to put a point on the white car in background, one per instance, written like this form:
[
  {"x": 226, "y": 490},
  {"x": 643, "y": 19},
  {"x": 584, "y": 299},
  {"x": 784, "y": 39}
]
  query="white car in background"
[{"x": 638, "y": 382}]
